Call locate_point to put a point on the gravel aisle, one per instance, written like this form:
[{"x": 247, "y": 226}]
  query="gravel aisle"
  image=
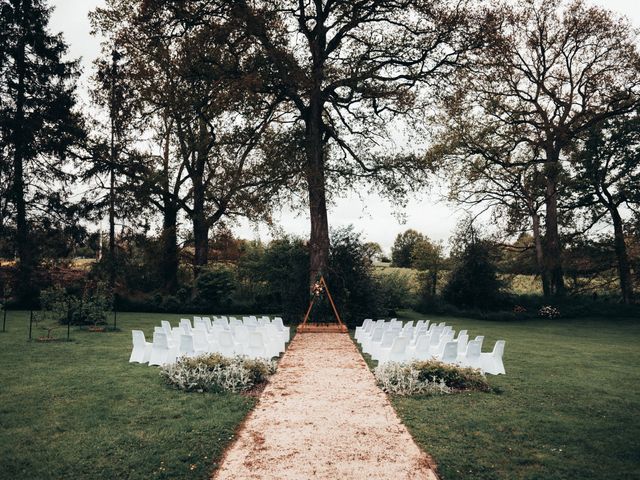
[{"x": 322, "y": 416}]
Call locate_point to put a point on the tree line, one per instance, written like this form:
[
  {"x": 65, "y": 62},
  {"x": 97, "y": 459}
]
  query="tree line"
[{"x": 203, "y": 111}]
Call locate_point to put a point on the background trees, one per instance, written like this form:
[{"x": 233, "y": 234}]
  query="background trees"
[{"x": 555, "y": 70}]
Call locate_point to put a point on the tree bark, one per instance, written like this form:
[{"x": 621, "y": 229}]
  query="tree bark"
[
  {"x": 553, "y": 254},
  {"x": 624, "y": 269},
  {"x": 542, "y": 270},
  {"x": 170, "y": 260},
  {"x": 319, "y": 238},
  {"x": 200, "y": 221},
  {"x": 26, "y": 258}
]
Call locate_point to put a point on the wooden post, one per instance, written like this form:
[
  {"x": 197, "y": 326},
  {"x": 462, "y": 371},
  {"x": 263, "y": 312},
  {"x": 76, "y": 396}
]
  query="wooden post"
[{"x": 30, "y": 323}]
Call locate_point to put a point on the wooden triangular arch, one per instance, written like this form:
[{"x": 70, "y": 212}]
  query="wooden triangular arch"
[{"x": 328, "y": 327}]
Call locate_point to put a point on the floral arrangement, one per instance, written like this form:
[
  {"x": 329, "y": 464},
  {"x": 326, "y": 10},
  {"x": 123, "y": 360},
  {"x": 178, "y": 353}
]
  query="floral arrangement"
[
  {"x": 317, "y": 289},
  {"x": 215, "y": 373},
  {"x": 548, "y": 312},
  {"x": 404, "y": 379}
]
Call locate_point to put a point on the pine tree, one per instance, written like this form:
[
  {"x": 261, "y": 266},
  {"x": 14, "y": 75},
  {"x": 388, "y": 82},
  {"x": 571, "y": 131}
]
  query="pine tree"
[{"x": 38, "y": 125}]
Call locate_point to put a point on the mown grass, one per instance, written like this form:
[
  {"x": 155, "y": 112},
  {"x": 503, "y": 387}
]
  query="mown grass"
[
  {"x": 80, "y": 410},
  {"x": 569, "y": 406}
]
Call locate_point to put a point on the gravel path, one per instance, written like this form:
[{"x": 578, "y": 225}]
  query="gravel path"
[{"x": 322, "y": 416}]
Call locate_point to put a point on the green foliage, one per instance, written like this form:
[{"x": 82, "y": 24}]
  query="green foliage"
[
  {"x": 393, "y": 292},
  {"x": 457, "y": 378},
  {"x": 214, "y": 287},
  {"x": 474, "y": 281},
  {"x": 90, "y": 307},
  {"x": 215, "y": 373},
  {"x": 402, "y": 249},
  {"x": 350, "y": 277}
]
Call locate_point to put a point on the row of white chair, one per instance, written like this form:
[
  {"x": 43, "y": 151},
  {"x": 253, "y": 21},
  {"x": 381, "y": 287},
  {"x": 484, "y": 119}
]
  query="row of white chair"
[
  {"x": 265, "y": 340},
  {"x": 398, "y": 342}
]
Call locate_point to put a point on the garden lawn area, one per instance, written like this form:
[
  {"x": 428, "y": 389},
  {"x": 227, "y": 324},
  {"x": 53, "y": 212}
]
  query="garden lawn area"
[
  {"x": 569, "y": 406},
  {"x": 80, "y": 410}
]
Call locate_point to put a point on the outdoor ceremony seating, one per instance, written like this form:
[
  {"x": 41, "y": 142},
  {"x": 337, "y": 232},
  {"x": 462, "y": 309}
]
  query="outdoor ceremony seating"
[
  {"x": 391, "y": 341},
  {"x": 251, "y": 336},
  {"x": 141, "y": 348}
]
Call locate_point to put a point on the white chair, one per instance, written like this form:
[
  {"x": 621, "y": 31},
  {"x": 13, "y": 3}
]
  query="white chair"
[
  {"x": 480, "y": 338},
  {"x": 167, "y": 326},
  {"x": 159, "y": 350},
  {"x": 186, "y": 346},
  {"x": 381, "y": 349},
  {"x": 226, "y": 345},
  {"x": 200, "y": 342},
  {"x": 492, "y": 362},
  {"x": 274, "y": 339},
  {"x": 397, "y": 352},
  {"x": 362, "y": 328},
  {"x": 462, "y": 340},
  {"x": 472, "y": 356},
  {"x": 376, "y": 337},
  {"x": 421, "y": 349},
  {"x": 449, "y": 353},
  {"x": 141, "y": 348},
  {"x": 256, "y": 347},
  {"x": 277, "y": 321}
]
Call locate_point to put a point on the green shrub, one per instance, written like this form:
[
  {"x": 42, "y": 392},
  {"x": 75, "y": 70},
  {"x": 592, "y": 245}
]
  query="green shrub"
[
  {"x": 214, "y": 287},
  {"x": 215, "y": 373},
  {"x": 474, "y": 282},
  {"x": 89, "y": 307},
  {"x": 453, "y": 376},
  {"x": 393, "y": 292}
]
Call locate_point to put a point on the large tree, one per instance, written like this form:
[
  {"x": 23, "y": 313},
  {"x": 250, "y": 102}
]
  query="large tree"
[
  {"x": 608, "y": 178},
  {"x": 38, "y": 124},
  {"x": 194, "y": 74},
  {"x": 345, "y": 71},
  {"x": 556, "y": 69}
]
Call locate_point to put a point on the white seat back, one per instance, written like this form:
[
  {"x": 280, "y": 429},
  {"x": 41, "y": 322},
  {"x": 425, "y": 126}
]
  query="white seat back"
[{"x": 450, "y": 352}]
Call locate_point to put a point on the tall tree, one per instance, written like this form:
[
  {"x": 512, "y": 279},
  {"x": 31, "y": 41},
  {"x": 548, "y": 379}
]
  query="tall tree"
[
  {"x": 556, "y": 69},
  {"x": 403, "y": 246},
  {"x": 37, "y": 118},
  {"x": 194, "y": 73},
  {"x": 608, "y": 177},
  {"x": 345, "y": 71}
]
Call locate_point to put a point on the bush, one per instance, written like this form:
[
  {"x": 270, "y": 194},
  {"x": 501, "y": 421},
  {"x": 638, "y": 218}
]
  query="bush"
[
  {"x": 90, "y": 307},
  {"x": 428, "y": 377},
  {"x": 214, "y": 287},
  {"x": 393, "y": 292},
  {"x": 404, "y": 379},
  {"x": 474, "y": 281},
  {"x": 215, "y": 373},
  {"x": 453, "y": 376}
]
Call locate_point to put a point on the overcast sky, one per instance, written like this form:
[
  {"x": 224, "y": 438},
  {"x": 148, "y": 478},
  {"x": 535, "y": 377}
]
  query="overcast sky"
[{"x": 376, "y": 218}]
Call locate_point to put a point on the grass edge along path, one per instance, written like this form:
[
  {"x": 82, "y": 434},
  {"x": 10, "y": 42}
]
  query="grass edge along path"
[{"x": 569, "y": 405}]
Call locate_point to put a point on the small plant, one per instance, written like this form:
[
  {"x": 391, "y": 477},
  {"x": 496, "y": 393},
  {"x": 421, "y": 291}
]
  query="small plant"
[
  {"x": 519, "y": 309},
  {"x": 404, "y": 379},
  {"x": 428, "y": 377},
  {"x": 548, "y": 311},
  {"x": 215, "y": 373}
]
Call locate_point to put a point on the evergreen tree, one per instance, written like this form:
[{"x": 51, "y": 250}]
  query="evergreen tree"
[{"x": 38, "y": 125}]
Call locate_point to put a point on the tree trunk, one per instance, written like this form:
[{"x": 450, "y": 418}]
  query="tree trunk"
[
  {"x": 200, "y": 228},
  {"x": 170, "y": 260},
  {"x": 25, "y": 290},
  {"x": 537, "y": 238},
  {"x": 319, "y": 239},
  {"x": 553, "y": 254},
  {"x": 200, "y": 221},
  {"x": 624, "y": 269}
]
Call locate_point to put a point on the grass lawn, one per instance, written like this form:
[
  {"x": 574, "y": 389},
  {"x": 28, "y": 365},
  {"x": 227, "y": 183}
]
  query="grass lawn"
[
  {"x": 569, "y": 406},
  {"x": 79, "y": 410}
]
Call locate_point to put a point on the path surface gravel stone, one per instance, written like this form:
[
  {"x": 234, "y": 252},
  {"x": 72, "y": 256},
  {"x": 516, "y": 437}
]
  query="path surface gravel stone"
[{"x": 322, "y": 416}]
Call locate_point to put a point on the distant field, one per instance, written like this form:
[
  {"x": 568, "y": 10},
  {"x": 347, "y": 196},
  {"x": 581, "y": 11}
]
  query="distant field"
[{"x": 517, "y": 284}]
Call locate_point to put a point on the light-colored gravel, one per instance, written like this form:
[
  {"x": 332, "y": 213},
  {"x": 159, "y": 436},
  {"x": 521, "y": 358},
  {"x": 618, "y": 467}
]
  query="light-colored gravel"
[{"x": 322, "y": 416}]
